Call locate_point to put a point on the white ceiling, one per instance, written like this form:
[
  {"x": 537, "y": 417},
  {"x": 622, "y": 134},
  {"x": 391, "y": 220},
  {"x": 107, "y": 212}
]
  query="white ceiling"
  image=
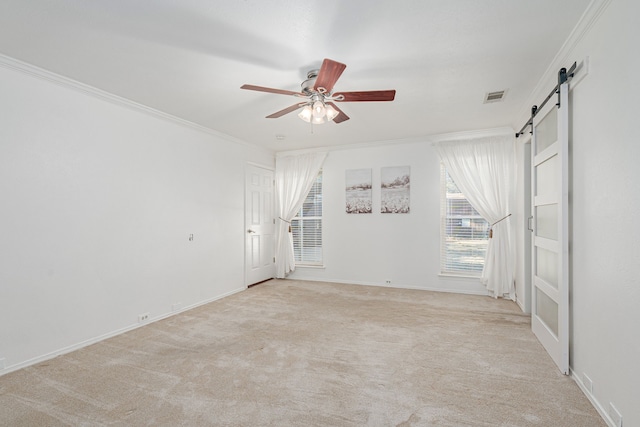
[{"x": 189, "y": 58}]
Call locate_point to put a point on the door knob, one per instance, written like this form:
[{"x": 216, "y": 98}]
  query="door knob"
[{"x": 250, "y": 231}]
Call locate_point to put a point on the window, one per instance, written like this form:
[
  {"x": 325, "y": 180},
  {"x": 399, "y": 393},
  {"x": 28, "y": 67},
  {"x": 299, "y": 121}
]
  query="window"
[
  {"x": 464, "y": 235},
  {"x": 307, "y": 227}
]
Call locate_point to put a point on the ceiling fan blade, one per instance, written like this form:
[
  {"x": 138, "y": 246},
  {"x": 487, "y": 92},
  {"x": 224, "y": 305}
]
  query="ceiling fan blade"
[
  {"x": 328, "y": 76},
  {"x": 271, "y": 90},
  {"x": 287, "y": 110},
  {"x": 371, "y": 95},
  {"x": 341, "y": 117}
]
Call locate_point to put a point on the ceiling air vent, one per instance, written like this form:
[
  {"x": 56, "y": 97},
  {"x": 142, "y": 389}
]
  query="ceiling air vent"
[{"x": 494, "y": 96}]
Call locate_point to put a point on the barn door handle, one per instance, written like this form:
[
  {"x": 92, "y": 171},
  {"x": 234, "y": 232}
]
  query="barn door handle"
[{"x": 529, "y": 223}]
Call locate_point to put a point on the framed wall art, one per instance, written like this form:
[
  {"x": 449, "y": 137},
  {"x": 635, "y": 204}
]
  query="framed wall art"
[
  {"x": 358, "y": 191},
  {"x": 395, "y": 183}
]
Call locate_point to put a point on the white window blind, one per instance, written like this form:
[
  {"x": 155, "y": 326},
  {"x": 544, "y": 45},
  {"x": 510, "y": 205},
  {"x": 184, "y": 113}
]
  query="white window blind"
[
  {"x": 464, "y": 233},
  {"x": 306, "y": 227}
]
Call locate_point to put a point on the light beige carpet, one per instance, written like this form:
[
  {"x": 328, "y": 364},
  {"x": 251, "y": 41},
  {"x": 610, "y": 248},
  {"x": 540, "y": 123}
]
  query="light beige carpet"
[{"x": 290, "y": 353}]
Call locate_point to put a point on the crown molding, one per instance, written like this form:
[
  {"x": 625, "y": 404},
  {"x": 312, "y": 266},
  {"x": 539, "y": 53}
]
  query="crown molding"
[
  {"x": 563, "y": 59},
  {"x": 427, "y": 139},
  {"x": 49, "y": 76}
]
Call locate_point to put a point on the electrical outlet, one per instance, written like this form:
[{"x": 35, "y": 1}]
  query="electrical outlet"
[
  {"x": 387, "y": 282},
  {"x": 615, "y": 415},
  {"x": 191, "y": 237},
  {"x": 588, "y": 384},
  {"x": 143, "y": 317}
]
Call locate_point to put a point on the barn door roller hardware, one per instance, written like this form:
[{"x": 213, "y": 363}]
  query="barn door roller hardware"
[{"x": 563, "y": 76}]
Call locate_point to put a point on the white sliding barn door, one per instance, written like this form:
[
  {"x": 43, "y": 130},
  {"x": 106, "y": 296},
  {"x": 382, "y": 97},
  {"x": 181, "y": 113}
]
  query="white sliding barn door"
[
  {"x": 550, "y": 243},
  {"x": 260, "y": 225}
]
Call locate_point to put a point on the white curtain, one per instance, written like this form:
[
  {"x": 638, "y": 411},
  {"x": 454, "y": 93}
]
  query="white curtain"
[
  {"x": 484, "y": 170},
  {"x": 294, "y": 178}
]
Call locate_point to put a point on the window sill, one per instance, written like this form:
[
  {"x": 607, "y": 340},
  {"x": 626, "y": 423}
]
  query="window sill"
[
  {"x": 458, "y": 276},
  {"x": 319, "y": 266}
]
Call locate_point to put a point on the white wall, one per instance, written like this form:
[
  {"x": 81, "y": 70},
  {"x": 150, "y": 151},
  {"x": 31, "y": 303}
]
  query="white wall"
[
  {"x": 373, "y": 248},
  {"x": 605, "y": 207},
  {"x": 98, "y": 199}
]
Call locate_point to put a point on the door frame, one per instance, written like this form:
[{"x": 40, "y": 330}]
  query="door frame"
[
  {"x": 247, "y": 226},
  {"x": 524, "y": 226}
]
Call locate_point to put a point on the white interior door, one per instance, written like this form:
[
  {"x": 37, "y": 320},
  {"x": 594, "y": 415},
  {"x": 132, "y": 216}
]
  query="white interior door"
[
  {"x": 550, "y": 243},
  {"x": 260, "y": 225}
]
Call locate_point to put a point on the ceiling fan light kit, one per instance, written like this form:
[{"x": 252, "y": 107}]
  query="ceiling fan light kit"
[
  {"x": 306, "y": 113},
  {"x": 318, "y": 90},
  {"x": 331, "y": 112}
]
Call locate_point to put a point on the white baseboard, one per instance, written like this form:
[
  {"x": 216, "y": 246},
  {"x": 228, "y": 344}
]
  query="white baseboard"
[
  {"x": 596, "y": 404},
  {"x": 86, "y": 343},
  {"x": 393, "y": 285}
]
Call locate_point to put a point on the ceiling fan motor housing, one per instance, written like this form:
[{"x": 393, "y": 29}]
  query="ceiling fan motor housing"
[{"x": 307, "y": 85}]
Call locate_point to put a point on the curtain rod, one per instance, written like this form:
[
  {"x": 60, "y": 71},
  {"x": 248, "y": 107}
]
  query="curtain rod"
[{"x": 563, "y": 76}]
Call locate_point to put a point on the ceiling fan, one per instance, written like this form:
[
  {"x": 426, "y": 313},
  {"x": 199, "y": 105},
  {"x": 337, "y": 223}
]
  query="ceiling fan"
[{"x": 318, "y": 106}]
